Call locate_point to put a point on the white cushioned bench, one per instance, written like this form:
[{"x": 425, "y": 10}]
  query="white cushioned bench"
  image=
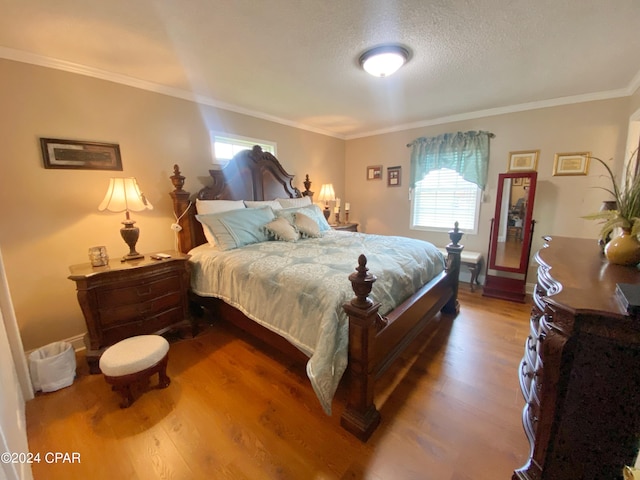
[
  {"x": 473, "y": 261},
  {"x": 135, "y": 359}
]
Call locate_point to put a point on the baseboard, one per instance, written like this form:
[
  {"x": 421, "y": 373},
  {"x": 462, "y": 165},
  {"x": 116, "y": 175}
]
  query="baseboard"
[
  {"x": 77, "y": 342},
  {"x": 529, "y": 288}
]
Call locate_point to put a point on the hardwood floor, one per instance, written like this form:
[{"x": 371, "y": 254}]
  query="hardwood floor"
[{"x": 451, "y": 410}]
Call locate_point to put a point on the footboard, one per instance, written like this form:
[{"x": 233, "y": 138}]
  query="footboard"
[{"x": 376, "y": 341}]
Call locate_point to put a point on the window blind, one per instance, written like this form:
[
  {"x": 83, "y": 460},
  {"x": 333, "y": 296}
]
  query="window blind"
[{"x": 443, "y": 197}]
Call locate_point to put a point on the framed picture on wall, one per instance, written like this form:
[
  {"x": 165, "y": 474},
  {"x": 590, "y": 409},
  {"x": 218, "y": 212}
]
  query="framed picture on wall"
[
  {"x": 571, "y": 163},
  {"x": 523, "y": 161},
  {"x": 72, "y": 154},
  {"x": 374, "y": 172},
  {"x": 517, "y": 181},
  {"x": 393, "y": 176}
]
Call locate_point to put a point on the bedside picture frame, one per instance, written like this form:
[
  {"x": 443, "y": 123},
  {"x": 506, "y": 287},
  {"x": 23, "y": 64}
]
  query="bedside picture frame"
[
  {"x": 78, "y": 155},
  {"x": 523, "y": 161},
  {"x": 374, "y": 172},
  {"x": 566, "y": 164},
  {"x": 394, "y": 176}
]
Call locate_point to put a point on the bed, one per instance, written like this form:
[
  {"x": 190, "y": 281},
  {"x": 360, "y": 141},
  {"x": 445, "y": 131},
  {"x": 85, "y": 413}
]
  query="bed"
[{"x": 368, "y": 326}]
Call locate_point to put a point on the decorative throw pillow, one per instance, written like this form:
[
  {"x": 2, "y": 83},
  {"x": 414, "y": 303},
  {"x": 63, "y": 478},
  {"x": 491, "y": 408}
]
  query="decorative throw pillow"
[
  {"x": 205, "y": 207},
  {"x": 312, "y": 211},
  {"x": 306, "y": 225},
  {"x": 294, "y": 202},
  {"x": 237, "y": 228},
  {"x": 280, "y": 229},
  {"x": 274, "y": 204}
]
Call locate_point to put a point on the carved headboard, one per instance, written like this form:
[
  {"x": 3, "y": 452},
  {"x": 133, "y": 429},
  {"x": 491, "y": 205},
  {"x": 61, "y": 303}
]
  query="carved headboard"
[{"x": 250, "y": 175}]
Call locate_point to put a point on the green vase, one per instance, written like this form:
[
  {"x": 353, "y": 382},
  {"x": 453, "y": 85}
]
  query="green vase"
[{"x": 623, "y": 249}]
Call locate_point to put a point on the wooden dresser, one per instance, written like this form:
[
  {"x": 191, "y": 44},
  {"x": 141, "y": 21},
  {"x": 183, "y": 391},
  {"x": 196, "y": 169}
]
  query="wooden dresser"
[
  {"x": 124, "y": 299},
  {"x": 580, "y": 374}
]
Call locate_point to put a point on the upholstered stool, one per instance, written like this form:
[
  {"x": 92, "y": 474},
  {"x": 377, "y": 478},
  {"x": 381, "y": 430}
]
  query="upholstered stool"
[{"x": 135, "y": 359}]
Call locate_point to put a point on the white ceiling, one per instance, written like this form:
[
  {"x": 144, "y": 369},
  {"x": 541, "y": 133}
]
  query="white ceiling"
[{"x": 295, "y": 61}]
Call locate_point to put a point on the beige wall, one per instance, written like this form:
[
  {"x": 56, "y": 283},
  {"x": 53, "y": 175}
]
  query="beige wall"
[
  {"x": 49, "y": 218},
  {"x": 597, "y": 127}
]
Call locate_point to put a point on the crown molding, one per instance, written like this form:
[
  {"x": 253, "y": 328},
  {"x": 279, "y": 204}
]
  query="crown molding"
[
  {"x": 48, "y": 62},
  {"x": 500, "y": 111},
  {"x": 40, "y": 60}
]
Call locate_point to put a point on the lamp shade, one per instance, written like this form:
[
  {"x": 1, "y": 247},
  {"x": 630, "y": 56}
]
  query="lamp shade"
[
  {"x": 123, "y": 194},
  {"x": 327, "y": 194}
]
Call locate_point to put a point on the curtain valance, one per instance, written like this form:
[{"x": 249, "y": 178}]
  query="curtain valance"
[{"x": 465, "y": 152}]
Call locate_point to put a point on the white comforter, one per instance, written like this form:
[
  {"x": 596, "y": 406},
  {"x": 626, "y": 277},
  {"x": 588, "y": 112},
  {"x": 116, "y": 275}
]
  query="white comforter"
[{"x": 297, "y": 289}]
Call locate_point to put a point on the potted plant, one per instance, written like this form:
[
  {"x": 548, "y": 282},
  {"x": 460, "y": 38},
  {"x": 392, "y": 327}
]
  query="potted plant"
[{"x": 625, "y": 215}]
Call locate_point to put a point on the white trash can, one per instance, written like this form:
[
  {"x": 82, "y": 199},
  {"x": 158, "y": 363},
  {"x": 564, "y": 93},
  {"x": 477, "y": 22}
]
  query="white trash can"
[{"x": 53, "y": 366}]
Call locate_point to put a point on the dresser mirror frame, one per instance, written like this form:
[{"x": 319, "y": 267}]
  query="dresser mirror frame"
[
  {"x": 512, "y": 222},
  {"x": 510, "y": 238}
]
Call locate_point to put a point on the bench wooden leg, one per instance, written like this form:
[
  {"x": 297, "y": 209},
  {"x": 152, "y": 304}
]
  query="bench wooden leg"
[{"x": 474, "y": 276}]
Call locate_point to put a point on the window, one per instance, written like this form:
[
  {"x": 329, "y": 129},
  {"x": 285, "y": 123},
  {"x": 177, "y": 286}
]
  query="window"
[
  {"x": 443, "y": 197},
  {"x": 448, "y": 175},
  {"x": 224, "y": 147}
]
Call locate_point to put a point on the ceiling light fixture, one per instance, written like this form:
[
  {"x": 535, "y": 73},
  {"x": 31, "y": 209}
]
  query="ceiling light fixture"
[{"x": 384, "y": 60}]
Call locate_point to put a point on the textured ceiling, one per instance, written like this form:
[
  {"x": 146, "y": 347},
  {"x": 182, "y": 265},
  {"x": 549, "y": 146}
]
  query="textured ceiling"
[{"x": 295, "y": 61}]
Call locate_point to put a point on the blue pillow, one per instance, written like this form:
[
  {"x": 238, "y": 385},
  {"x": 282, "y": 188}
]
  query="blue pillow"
[
  {"x": 311, "y": 211},
  {"x": 237, "y": 228}
]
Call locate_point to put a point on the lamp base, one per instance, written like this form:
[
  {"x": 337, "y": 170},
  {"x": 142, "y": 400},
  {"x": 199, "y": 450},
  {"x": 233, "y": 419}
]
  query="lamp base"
[
  {"x": 130, "y": 256},
  {"x": 130, "y": 235},
  {"x": 327, "y": 213}
]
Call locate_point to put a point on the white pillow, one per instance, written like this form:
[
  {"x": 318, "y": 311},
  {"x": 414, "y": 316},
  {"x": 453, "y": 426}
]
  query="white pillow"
[
  {"x": 274, "y": 204},
  {"x": 206, "y": 207},
  {"x": 294, "y": 202}
]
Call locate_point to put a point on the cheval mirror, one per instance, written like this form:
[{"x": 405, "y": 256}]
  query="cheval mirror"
[{"x": 511, "y": 234}]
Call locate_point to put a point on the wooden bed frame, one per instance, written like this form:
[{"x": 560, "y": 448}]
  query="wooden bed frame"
[{"x": 374, "y": 341}]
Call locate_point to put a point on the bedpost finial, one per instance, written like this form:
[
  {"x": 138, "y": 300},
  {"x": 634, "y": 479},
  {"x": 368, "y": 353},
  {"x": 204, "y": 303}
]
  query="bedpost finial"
[
  {"x": 362, "y": 283},
  {"x": 455, "y": 235},
  {"x": 177, "y": 179},
  {"x": 307, "y": 187}
]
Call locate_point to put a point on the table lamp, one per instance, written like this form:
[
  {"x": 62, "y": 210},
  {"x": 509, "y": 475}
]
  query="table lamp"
[
  {"x": 123, "y": 195},
  {"x": 327, "y": 194}
]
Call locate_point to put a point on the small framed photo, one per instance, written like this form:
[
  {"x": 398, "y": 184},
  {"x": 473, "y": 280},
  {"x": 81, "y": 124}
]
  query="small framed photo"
[
  {"x": 374, "y": 172},
  {"x": 571, "y": 163},
  {"x": 517, "y": 182},
  {"x": 393, "y": 176},
  {"x": 526, "y": 181},
  {"x": 523, "y": 161},
  {"x": 72, "y": 154}
]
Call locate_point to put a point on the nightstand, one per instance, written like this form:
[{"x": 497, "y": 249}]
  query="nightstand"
[
  {"x": 347, "y": 227},
  {"x": 137, "y": 297}
]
